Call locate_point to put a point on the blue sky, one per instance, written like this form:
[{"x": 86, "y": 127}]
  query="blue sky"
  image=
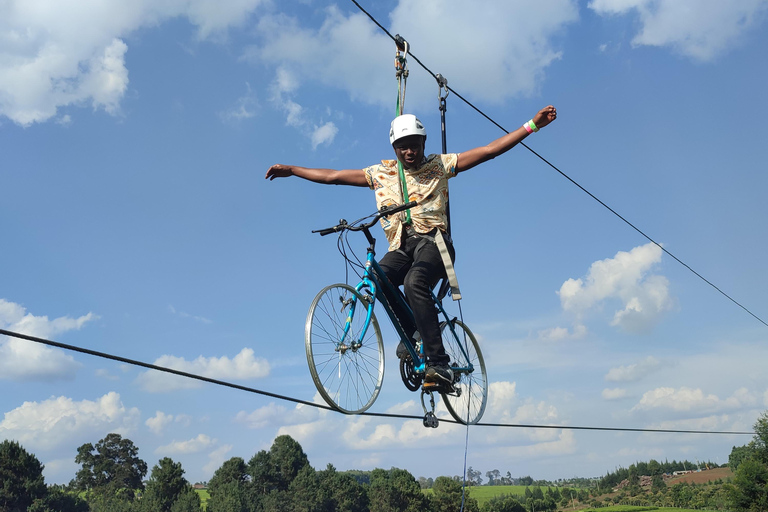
[{"x": 136, "y": 221}]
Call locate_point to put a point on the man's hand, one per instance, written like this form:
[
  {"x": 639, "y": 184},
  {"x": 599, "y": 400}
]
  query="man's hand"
[
  {"x": 278, "y": 171},
  {"x": 545, "y": 116}
]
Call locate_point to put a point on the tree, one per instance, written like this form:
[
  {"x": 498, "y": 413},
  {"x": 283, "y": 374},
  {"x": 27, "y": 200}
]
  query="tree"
[
  {"x": 739, "y": 454},
  {"x": 346, "y": 494},
  {"x": 233, "y": 471},
  {"x": 447, "y": 494},
  {"x": 494, "y": 477},
  {"x": 188, "y": 501},
  {"x": 474, "y": 477},
  {"x": 111, "y": 465},
  {"x": 503, "y": 504},
  {"x": 234, "y": 496},
  {"x": 21, "y": 477},
  {"x": 306, "y": 494},
  {"x": 166, "y": 484},
  {"x": 276, "y": 469},
  {"x": 59, "y": 500},
  {"x": 657, "y": 483},
  {"x": 749, "y": 492},
  {"x": 395, "y": 490}
]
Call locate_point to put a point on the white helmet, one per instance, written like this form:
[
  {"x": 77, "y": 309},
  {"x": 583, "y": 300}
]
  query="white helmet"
[{"x": 405, "y": 125}]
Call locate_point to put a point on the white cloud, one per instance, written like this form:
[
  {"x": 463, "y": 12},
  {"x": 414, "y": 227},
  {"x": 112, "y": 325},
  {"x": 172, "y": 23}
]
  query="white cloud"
[
  {"x": 563, "y": 442},
  {"x": 555, "y": 334},
  {"x": 58, "y": 421},
  {"x": 159, "y": 422},
  {"x": 24, "y": 360},
  {"x": 323, "y": 134},
  {"x": 504, "y": 48},
  {"x": 503, "y": 51},
  {"x": 245, "y": 108},
  {"x": 216, "y": 458},
  {"x": 701, "y": 29},
  {"x": 72, "y": 52},
  {"x": 194, "y": 445},
  {"x": 625, "y": 278},
  {"x": 283, "y": 87},
  {"x": 614, "y": 394},
  {"x": 105, "y": 374},
  {"x": 276, "y": 415},
  {"x": 686, "y": 399},
  {"x": 633, "y": 372},
  {"x": 243, "y": 366},
  {"x": 707, "y": 423}
]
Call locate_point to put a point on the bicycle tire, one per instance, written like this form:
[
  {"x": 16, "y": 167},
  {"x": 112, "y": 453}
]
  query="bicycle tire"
[
  {"x": 469, "y": 406},
  {"x": 349, "y": 379}
]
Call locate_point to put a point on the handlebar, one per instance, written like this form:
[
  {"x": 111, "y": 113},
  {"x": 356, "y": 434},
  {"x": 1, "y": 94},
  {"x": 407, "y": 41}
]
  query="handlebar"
[{"x": 385, "y": 211}]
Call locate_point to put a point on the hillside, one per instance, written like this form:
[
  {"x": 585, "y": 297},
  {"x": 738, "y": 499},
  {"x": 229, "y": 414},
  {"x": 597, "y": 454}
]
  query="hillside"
[{"x": 700, "y": 477}]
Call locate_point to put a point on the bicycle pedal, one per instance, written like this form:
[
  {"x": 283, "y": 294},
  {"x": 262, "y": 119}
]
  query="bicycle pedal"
[{"x": 437, "y": 386}]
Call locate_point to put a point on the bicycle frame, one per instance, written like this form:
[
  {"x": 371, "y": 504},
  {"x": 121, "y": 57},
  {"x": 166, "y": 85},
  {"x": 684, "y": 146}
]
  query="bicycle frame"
[{"x": 370, "y": 281}]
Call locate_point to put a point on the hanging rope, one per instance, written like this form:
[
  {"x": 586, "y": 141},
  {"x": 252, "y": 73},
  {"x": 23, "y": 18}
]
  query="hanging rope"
[{"x": 401, "y": 73}]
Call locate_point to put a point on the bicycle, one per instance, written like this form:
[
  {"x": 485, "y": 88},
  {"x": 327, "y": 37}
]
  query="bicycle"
[{"x": 344, "y": 346}]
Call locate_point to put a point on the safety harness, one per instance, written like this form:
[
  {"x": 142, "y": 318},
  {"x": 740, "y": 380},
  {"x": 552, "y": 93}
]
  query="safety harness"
[{"x": 401, "y": 73}]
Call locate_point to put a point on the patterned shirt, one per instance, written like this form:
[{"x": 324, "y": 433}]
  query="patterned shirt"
[{"x": 427, "y": 185}]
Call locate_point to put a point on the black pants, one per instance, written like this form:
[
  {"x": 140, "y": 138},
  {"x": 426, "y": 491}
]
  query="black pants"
[{"x": 418, "y": 266}]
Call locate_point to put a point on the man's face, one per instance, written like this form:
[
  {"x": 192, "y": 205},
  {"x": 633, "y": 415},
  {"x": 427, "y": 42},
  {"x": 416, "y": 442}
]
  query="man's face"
[{"x": 410, "y": 150}]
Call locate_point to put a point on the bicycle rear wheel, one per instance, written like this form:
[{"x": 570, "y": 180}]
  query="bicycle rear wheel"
[
  {"x": 467, "y": 405},
  {"x": 347, "y": 370}
]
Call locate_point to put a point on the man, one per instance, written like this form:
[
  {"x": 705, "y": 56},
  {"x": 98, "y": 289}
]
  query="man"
[{"x": 414, "y": 259}]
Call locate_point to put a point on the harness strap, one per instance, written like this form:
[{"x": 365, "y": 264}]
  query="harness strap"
[
  {"x": 449, "y": 271},
  {"x": 401, "y": 73}
]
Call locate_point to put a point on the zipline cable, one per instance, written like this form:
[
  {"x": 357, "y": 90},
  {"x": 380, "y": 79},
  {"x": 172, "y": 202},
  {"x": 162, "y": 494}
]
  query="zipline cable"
[
  {"x": 437, "y": 77},
  {"x": 277, "y": 396}
]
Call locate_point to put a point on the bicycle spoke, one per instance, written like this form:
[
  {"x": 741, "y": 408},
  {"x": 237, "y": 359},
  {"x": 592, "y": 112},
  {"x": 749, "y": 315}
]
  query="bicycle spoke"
[
  {"x": 347, "y": 376},
  {"x": 461, "y": 345}
]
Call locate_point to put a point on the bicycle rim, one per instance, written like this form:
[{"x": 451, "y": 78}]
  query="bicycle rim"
[
  {"x": 348, "y": 378},
  {"x": 469, "y": 406}
]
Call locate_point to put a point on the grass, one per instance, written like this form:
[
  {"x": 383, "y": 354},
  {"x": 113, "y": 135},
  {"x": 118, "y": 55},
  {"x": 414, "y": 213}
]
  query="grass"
[
  {"x": 483, "y": 493},
  {"x": 204, "y": 496},
  {"x": 629, "y": 508}
]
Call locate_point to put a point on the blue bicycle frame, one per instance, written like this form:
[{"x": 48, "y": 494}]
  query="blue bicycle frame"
[{"x": 373, "y": 284}]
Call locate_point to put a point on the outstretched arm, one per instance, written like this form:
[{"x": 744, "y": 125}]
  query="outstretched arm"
[
  {"x": 473, "y": 157},
  {"x": 352, "y": 177}
]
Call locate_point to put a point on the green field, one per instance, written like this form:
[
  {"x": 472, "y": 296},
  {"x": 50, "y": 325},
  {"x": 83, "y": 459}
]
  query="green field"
[
  {"x": 203, "y": 493},
  {"x": 628, "y": 508},
  {"x": 484, "y": 493}
]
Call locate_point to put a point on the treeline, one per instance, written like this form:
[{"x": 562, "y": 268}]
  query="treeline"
[
  {"x": 111, "y": 479},
  {"x": 651, "y": 468}
]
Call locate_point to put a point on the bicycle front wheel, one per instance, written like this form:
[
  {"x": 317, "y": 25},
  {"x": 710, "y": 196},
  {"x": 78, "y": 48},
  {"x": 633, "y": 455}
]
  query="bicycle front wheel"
[
  {"x": 347, "y": 365},
  {"x": 467, "y": 405}
]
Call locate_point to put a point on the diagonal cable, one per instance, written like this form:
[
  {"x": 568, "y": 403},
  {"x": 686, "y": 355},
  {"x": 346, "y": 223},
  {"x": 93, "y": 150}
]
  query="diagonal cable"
[{"x": 590, "y": 194}]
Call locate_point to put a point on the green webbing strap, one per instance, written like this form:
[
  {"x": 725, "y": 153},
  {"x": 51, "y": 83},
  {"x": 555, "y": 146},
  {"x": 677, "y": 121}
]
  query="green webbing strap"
[
  {"x": 401, "y": 72},
  {"x": 404, "y": 188}
]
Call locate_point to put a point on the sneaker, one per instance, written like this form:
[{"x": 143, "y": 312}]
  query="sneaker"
[{"x": 442, "y": 374}]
